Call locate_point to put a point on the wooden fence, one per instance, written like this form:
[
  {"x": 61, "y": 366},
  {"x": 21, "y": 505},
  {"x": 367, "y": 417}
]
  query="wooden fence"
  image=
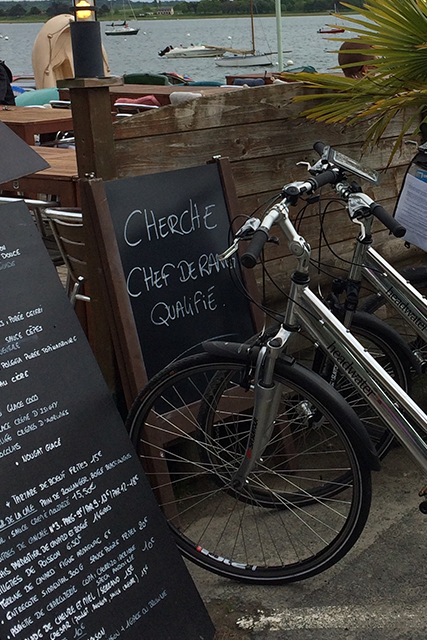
[{"x": 260, "y": 131}]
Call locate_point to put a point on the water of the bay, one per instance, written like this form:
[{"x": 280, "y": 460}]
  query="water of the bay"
[{"x": 140, "y": 53}]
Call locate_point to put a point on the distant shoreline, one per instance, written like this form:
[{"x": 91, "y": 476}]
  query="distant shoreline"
[{"x": 110, "y": 18}]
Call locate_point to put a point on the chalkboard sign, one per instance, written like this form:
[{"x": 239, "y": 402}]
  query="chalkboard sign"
[
  {"x": 170, "y": 228},
  {"x": 17, "y": 158},
  {"x": 84, "y": 550}
]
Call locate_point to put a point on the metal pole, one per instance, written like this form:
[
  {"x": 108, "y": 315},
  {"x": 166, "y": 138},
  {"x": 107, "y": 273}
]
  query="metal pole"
[{"x": 278, "y": 5}]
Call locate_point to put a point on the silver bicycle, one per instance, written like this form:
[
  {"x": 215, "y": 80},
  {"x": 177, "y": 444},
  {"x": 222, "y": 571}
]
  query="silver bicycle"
[
  {"x": 261, "y": 468},
  {"x": 400, "y": 297}
]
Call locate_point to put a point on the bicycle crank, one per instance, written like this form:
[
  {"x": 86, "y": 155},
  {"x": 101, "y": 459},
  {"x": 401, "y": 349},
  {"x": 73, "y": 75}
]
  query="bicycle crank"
[{"x": 423, "y": 505}]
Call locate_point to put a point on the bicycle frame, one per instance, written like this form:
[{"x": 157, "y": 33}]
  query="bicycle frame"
[
  {"x": 407, "y": 301},
  {"x": 388, "y": 282},
  {"x": 304, "y": 309}
]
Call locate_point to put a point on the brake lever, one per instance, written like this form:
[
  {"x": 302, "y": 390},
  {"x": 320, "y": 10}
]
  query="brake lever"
[
  {"x": 244, "y": 233},
  {"x": 230, "y": 251}
]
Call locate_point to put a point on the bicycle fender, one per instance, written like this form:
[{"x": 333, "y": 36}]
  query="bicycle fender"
[
  {"x": 395, "y": 340},
  {"x": 245, "y": 352},
  {"x": 233, "y": 350},
  {"x": 367, "y": 448}
]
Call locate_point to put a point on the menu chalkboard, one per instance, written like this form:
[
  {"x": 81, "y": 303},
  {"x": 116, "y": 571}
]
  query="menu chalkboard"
[
  {"x": 84, "y": 550},
  {"x": 17, "y": 158},
  {"x": 170, "y": 228}
]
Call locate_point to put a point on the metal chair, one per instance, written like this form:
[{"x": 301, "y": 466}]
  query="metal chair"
[{"x": 67, "y": 229}]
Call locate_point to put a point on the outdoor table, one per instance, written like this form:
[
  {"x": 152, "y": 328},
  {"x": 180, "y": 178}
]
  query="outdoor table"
[
  {"x": 60, "y": 179},
  {"x": 26, "y": 122}
]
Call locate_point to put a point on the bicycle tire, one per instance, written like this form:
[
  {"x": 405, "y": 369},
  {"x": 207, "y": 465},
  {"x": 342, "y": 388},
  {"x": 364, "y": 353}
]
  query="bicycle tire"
[
  {"x": 304, "y": 529},
  {"x": 390, "y": 351},
  {"x": 379, "y": 305},
  {"x": 388, "y": 348}
]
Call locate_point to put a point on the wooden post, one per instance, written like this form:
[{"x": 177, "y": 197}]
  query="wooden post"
[
  {"x": 93, "y": 125},
  {"x": 93, "y": 128}
]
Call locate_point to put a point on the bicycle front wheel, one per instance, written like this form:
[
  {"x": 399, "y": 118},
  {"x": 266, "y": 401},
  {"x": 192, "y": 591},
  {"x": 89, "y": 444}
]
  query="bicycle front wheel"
[{"x": 306, "y": 501}]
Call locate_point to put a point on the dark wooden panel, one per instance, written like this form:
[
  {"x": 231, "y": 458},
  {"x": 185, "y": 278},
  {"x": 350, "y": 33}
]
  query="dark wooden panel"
[{"x": 259, "y": 130}]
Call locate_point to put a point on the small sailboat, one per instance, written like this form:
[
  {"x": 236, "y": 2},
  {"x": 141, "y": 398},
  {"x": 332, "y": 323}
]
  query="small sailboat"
[
  {"x": 192, "y": 51},
  {"x": 122, "y": 28},
  {"x": 332, "y": 28},
  {"x": 251, "y": 58}
]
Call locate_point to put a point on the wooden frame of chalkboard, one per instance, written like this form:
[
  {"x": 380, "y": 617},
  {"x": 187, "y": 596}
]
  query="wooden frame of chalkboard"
[{"x": 102, "y": 238}]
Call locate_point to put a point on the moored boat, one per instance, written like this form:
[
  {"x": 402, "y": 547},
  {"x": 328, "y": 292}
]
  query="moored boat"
[
  {"x": 331, "y": 30},
  {"x": 254, "y": 59},
  {"x": 121, "y": 29},
  {"x": 192, "y": 51},
  {"x": 250, "y": 58}
]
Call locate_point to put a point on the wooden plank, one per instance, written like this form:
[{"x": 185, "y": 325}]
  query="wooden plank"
[
  {"x": 94, "y": 132},
  {"x": 253, "y": 105},
  {"x": 238, "y": 143},
  {"x": 260, "y": 156},
  {"x": 90, "y": 104},
  {"x": 259, "y": 131},
  {"x": 255, "y": 176}
]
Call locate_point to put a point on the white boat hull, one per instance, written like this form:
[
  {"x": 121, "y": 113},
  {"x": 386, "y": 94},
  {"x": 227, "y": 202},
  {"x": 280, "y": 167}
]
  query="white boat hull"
[
  {"x": 121, "y": 32},
  {"x": 249, "y": 60},
  {"x": 193, "y": 52}
]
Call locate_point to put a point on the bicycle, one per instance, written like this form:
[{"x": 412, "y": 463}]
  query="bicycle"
[
  {"x": 260, "y": 466},
  {"x": 400, "y": 296},
  {"x": 382, "y": 341}
]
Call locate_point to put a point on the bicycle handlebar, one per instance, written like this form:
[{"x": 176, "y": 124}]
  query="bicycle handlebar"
[
  {"x": 388, "y": 221},
  {"x": 327, "y": 177},
  {"x": 250, "y": 256},
  {"x": 319, "y": 147},
  {"x": 256, "y": 245}
]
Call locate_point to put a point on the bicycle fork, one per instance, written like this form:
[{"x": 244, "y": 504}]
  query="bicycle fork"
[{"x": 267, "y": 398}]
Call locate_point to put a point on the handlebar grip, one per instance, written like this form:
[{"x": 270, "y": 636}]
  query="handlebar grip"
[
  {"x": 388, "y": 221},
  {"x": 251, "y": 255},
  {"x": 319, "y": 147},
  {"x": 327, "y": 177}
]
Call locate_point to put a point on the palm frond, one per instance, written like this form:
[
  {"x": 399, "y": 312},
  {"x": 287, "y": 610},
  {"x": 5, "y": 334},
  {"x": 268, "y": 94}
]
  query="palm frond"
[{"x": 396, "y": 33}]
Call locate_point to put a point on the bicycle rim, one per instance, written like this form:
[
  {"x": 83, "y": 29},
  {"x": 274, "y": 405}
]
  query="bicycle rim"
[
  {"x": 381, "y": 307},
  {"x": 294, "y": 518},
  {"x": 379, "y": 342}
]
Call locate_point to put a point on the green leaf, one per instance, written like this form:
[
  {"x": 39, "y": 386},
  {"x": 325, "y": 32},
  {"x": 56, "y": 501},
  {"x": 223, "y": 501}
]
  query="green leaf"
[{"x": 395, "y": 31}]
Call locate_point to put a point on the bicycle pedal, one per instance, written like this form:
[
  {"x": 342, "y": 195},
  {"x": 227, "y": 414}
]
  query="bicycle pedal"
[
  {"x": 423, "y": 492},
  {"x": 423, "y": 507}
]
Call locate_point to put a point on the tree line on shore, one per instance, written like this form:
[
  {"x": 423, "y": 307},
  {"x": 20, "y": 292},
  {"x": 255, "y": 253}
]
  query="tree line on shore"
[{"x": 47, "y": 9}]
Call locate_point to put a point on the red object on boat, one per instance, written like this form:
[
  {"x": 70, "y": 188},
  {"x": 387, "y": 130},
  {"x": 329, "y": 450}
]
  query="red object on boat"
[{"x": 331, "y": 30}]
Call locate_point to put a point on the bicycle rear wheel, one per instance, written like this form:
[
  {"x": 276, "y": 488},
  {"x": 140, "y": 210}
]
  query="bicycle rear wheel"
[
  {"x": 295, "y": 517},
  {"x": 388, "y": 348},
  {"x": 379, "y": 305}
]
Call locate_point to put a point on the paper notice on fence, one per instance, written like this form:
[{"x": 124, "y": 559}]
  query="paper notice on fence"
[{"x": 411, "y": 209}]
